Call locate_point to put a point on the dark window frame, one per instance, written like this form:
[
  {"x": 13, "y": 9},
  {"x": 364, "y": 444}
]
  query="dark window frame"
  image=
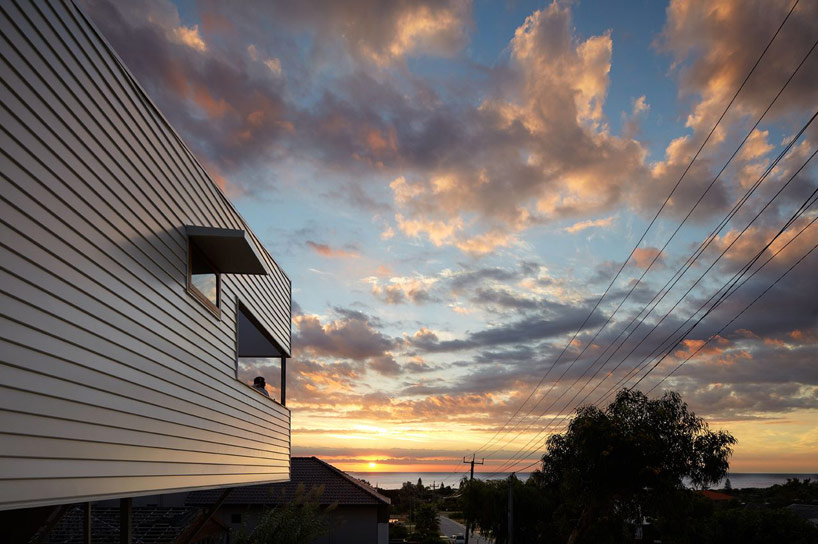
[
  {"x": 242, "y": 307},
  {"x": 198, "y": 295}
]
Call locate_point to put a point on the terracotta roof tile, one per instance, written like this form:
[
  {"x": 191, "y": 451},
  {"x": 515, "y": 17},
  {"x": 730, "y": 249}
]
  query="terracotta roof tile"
[{"x": 716, "y": 496}]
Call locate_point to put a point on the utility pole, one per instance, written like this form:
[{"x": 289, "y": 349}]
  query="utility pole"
[
  {"x": 471, "y": 477},
  {"x": 511, "y": 508}
]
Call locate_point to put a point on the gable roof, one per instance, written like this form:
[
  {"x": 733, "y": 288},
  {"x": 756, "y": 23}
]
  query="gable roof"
[{"x": 339, "y": 487}]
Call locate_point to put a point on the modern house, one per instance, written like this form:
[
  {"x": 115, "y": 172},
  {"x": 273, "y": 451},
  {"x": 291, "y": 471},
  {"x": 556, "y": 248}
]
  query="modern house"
[
  {"x": 360, "y": 514},
  {"x": 129, "y": 288}
]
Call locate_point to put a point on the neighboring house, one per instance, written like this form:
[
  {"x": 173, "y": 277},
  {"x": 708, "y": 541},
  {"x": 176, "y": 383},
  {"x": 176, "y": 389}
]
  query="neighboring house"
[
  {"x": 129, "y": 288},
  {"x": 360, "y": 517},
  {"x": 715, "y": 495}
]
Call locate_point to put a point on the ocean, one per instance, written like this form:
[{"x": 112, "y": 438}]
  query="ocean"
[{"x": 394, "y": 480}]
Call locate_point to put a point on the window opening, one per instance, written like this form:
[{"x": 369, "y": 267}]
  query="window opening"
[
  {"x": 259, "y": 354},
  {"x": 203, "y": 278}
]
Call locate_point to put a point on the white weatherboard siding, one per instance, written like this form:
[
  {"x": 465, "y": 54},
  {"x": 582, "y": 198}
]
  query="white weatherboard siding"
[{"x": 114, "y": 380}]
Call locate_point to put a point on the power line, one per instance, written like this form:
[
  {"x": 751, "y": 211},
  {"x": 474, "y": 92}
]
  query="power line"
[
  {"x": 736, "y": 277},
  {"x": 740, "y": 313},
  {"x": 737, "y": 316},
  {"x": 797, "y": 214},
  {"x": 665, "y": 290},
  {"x": 720, "y": 299},
  {"x": 644, "y": 234},
  {"x": 782, "y": 248}
]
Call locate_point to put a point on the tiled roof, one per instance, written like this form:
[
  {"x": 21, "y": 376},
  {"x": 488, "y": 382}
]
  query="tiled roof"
[
  {"x": 716, "y": 496},
  {"x": 339, "y": 487},
  {"x": 155, "y": 524}
]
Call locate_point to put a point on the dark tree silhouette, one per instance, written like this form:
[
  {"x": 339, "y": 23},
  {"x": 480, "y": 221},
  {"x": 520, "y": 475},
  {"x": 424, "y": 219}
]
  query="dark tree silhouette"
[
  {"x": 300, "y": 520},
  {"x": 630, "y": 460},
  {"x": 609, "y": 471}
]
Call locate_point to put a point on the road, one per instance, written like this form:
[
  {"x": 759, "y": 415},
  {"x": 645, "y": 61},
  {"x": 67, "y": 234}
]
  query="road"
[{"x": 450, "y": 527}]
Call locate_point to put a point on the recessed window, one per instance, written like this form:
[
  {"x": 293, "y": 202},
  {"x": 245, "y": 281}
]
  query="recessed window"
[
  {"x": 235, "y": 518},
  {"x": 203, "y": 278},
  {"x": 253, "y": 339},
  {"x": 256, "y": 344}
]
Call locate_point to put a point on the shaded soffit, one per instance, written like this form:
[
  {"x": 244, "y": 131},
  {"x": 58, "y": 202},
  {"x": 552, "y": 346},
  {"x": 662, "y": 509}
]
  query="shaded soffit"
[{"x": 228, "y": 250}]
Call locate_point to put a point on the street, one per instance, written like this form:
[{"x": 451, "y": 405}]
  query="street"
[{"x": 450, "y": 527}]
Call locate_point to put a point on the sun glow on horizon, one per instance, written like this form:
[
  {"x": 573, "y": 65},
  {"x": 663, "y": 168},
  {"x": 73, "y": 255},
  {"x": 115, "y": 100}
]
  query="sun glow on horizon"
[{"x": 372, "y": 464}]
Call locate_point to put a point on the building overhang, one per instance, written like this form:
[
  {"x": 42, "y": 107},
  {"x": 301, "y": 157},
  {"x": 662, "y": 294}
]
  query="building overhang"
[{"x": 228, "y": 250}]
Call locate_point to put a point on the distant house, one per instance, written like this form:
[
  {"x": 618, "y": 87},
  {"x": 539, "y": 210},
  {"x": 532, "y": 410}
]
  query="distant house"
[
  {"x": 130, "y": 288},
  {"x": 361, "y": 515},
  {"x": 715, "y": 495}
]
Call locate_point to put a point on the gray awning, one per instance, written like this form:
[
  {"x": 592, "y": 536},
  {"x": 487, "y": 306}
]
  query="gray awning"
[{"x": 229, "y": 250}]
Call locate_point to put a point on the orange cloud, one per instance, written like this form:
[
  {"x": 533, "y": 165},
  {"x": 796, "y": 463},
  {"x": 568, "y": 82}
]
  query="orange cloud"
[
  {"x": 189, "y": 36},
  {"x": 587, "y": 224},
  {"x": 523, "y": 175},
  {"x": 716, "y": 346},
  {"x": 422, "y": 29},
  {"x": 334, "y": 253},
  {"x": 755, "y": 238},
  {"x": 400, "y": 289},
  {"x": 643, "y": 256},
  {"x": 377, "y": 142}
]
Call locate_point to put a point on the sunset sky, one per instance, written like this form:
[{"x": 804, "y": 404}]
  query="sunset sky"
[{"x": 451, "y": 186}]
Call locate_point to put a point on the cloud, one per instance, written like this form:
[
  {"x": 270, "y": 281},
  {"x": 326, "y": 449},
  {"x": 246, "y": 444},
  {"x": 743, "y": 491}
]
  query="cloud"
[
  {"x": 401, "y": 289},
  {"x": 640, "y": 105},
  {"x": 365, "y": 30},
  {"x": 326, "y": 251},
  {"x": 545, "y": 152},
  {"x": 189, "y": 37},
  {"x": 522, "y": 331},
  {"x": 475, "y": 162},
  {"x": 715, "y": 45},
  {"x": 274, "y": 65},
  {"x": 643, "y": 256},
  {"x": 353, "y": 336},
  {"x": 590, "y": 223},
  {"x": 229, "y": 109},
  {"x": 468, "y": 278},
  {"x": 472, "y": 172},
  {"x": 386, "y": 365},
  {"x": 388, "y": 233},
  {"x": 504, "y": 298}
]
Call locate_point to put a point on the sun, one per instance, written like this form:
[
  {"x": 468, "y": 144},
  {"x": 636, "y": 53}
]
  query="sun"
[{"x": 372, "y": 464}]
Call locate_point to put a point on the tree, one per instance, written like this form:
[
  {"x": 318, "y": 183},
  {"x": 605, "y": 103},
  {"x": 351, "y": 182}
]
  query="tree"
[
  {"x": 487, "y": 501},
  {"x": 762, "y": 525},
  {"x": 427, "y": 526},
  {"x": 629, "y": 462},
  {"x": 298, "y": 521}
]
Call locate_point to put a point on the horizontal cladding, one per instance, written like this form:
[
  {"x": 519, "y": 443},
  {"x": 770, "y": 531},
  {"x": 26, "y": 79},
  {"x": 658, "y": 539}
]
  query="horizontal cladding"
[
  {"x": 27, "y": 492},
  {"x": 35, "y": 407},
  {"x": 64, "y": 115},
  {"x": 107, "y": 363}
]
